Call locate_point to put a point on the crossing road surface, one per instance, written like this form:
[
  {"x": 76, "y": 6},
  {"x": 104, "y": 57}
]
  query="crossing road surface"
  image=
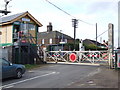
[{"x": 52, "y": 76}]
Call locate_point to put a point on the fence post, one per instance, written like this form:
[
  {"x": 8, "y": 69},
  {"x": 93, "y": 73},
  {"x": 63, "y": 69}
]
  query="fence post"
[
  {"x": 44, "y": 55},
  {"x": 80, "y": 56},
  {"x": 110, "y": 60},
  {"x": 110, "y": 43}
]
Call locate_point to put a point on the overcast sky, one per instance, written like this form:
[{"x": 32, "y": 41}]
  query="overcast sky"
[{"x": 101, "y": 12}]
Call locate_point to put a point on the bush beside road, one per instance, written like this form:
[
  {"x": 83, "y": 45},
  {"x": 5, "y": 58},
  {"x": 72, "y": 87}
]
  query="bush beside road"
[{"x": 34, "y": 66}]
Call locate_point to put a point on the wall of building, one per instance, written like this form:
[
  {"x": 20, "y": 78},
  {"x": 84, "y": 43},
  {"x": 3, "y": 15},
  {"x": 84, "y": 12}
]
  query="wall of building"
[
  {"x": 32, "y": 32},
  {"x": 53, "y": 38},
  {"x": 54, "y": 41},
  {"x": 6, "y": 36},
  {"x": 6, "y": 53},
  {"x": 27, "y": 27}
]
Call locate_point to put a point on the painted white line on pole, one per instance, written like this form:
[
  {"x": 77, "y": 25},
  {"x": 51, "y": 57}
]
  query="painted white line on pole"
[{"x": 12, "y": 84}]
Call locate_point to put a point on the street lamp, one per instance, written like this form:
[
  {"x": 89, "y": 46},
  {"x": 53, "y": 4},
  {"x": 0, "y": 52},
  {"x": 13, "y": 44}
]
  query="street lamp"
[
  {"x": 6, "y": 4},
  {"x": 58, "y": 43},
  {"x": 5, "y": 10},
  {"x": 61, "y": 39}
]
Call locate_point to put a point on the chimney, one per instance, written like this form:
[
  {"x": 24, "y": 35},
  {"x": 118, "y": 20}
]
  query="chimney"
[{"x": 49, "y": 27}]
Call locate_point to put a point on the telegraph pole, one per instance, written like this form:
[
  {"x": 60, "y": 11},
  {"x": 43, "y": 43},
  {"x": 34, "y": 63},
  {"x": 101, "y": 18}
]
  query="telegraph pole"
[
  {"x": 74, "y": 24},
  {"x": 119, "y": 25},
  {"x": 96, "y": 36}
]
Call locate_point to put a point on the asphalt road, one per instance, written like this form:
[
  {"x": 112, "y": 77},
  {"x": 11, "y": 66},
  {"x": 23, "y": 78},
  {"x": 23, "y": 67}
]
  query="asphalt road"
[{"x": 53, "y": 76}]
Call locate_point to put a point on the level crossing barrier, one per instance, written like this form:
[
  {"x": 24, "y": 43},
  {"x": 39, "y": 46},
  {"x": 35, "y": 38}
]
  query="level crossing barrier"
[{"x": 79, "y": 56}]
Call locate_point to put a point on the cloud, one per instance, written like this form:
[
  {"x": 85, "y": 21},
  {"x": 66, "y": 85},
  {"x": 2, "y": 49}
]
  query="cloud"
[
  {"x": 103, "y": 7},
  {"x": 91, "y": 11}
]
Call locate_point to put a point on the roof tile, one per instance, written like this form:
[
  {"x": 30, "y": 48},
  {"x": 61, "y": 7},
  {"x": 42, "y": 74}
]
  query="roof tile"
[{"x": 9, "y": 18}]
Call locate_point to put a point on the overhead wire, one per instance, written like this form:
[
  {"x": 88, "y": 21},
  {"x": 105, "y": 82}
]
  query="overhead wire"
[
  {"x": 67, "y": 12},
  {"x": 102, "y": 33},
  {"x": 60, "y": 9},
  {"x": 86, "y": 22},
  {"x": 73, "y": 16}
]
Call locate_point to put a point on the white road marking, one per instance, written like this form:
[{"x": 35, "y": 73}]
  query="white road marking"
[
  {"x": 70, "y": 83},
  {"x": 81, "y": 84},
  {"x": 52, "y": 66},
  {"x": 69, "y": 63},
  {"x": 12, "y": 84},
  {"x": 0, "y": 88},
  {"x": 31, "y": 71},
  {"x": 36, "y": 71},
  {"x": 90, "y": 82},
  {"x": 94, "y": 72},
  {"x": 57, "y": 72},
  {"x": 93, "y": 84}
]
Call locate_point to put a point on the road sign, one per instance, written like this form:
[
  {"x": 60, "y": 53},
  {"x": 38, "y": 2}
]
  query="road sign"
[{"x": 73, "y": 57}]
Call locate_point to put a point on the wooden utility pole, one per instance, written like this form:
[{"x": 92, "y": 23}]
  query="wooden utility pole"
[
  {"x": 96, "y": 36},
  {"x": 119, "y": 25},
  {"x": 74, "y": 24}
]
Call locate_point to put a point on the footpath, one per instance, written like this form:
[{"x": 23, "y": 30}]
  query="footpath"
[{"x": 106, "y": 78}]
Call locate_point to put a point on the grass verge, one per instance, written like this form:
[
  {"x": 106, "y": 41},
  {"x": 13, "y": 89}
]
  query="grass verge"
[{"x": 32, "y": 66}]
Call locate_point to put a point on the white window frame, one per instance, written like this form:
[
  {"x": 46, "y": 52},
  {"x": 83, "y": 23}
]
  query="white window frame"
[
  {"x": 50, "y": 40},
  {"x": 43, "y": 41},
  {"x": 65, "y": 40}
]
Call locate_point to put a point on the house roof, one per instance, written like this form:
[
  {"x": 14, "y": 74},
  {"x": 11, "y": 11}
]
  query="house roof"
[
  {"x": 9, "y": 18},
  {"x": 53, "y": 34},
  {"x": 15, "y": 17},
  {"x": 88, "y": 41}
]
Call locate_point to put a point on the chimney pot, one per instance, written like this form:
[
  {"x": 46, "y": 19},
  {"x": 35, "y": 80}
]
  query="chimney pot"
[{"x": 49, "y": 27}]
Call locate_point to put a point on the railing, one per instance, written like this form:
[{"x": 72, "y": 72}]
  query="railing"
[{"x": 28, "y": 38}]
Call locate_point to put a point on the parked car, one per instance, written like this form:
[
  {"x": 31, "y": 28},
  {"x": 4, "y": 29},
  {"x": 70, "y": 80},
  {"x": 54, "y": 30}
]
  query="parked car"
[{"x": 11, "y": 70}]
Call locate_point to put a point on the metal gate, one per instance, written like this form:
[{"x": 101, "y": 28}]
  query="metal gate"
[{"x": 81, "y": 57}]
